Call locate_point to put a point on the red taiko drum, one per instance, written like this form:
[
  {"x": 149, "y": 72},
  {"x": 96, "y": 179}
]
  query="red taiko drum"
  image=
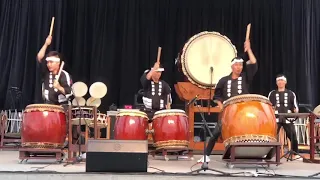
[
  {"x": 171, "y": 129},
  {"x": 43, "y": 126},
  {"x": 131, "y": 125},
  {"x": 248, "y": 118}
]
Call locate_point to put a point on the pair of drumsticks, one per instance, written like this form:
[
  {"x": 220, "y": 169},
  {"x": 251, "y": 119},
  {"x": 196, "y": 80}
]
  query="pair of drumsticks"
[{"x": 62, "y": 63}]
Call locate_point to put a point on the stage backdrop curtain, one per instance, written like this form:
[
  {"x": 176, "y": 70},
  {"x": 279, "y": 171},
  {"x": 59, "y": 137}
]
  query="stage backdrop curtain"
[{"x": 115, "y": 41}]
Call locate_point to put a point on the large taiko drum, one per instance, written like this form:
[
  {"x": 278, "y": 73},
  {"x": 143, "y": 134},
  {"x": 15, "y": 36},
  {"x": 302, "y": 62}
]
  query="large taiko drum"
[
  {"x": 248, "y": 118},
  {"x": 43, "y": 126},
  {"x": 171, "y": 129},
  {"x": 205, "y": 50},
  {"x": 131, "y": 125}
]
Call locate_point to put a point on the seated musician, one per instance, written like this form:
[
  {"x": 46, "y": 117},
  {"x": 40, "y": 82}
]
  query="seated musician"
[
  {"x": 285, "y": 101},
  {"x": 157, "y": 93},
  {"x": 54, "y": 91},
  {"x": 237, "y": 83}
]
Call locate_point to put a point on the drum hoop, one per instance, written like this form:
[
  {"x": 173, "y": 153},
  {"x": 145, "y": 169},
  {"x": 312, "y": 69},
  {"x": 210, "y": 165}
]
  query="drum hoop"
[
  {"x": 82, "y": 108},
  {"x": 246, "y": 98},
  {"x": 183, "y": 58},
  {"x": 169, "y": 111},
  {"x": 44, "y": 107},
  {"x": 140, "y": 114},
  {"x": 249, "y": 137},
  {"x": 168, "y": 114}
]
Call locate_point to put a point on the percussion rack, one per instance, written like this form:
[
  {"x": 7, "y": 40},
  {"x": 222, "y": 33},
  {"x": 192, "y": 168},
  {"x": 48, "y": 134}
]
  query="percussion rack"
[
  {"x": 313, "y": 119},
  {"x": 3, "y": 139},
  {"x": 74, "y": 147}
]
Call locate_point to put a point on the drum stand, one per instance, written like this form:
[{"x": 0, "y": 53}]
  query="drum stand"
[
  {"x": 78, "y": 159},
  {"x": 291, "y": 152},
  {"x": 204, "y": 166}
]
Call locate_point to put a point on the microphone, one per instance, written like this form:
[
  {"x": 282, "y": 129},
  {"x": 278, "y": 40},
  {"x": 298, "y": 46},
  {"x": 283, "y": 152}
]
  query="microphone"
[
  {"x": 193, "y": 100},
  {"x": 211, "y": 69}
]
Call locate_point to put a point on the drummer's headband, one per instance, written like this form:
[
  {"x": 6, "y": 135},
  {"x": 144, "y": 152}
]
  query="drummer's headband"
[
  {"x": 236, "y": 60},
  {"x": 52, "y": 58},
  {"x": 281, "y": 78}
]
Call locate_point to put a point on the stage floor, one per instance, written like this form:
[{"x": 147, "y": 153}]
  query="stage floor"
[{"x": 9, "y": 162}]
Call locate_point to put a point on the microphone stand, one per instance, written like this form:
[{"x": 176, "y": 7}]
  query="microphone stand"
[
  {"x": 204, "y": 166},
  {"x": 78, "y": 159},
  {"x": 209, "y": 100}
]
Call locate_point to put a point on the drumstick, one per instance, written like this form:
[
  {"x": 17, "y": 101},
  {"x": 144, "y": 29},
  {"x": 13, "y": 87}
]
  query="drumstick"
[
  {"x": 159, "y": 54},
  {"x": 61, "y": 67},
  {"x": 248, "y": 31},
  {"x": 51, "y": 28}
]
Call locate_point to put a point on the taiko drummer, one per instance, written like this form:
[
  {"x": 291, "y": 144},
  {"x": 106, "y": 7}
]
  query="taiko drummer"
[
  {"x": 237, "y": 83},
  {"x": 157, "y": 92},
  {"x": 54, "y": 91}
]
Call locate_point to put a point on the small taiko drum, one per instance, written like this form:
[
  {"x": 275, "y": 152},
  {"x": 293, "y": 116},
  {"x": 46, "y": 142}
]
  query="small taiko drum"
[
  {"x": 248, "y": 118},
  {"x": 171, "y": 129},
  {"x": 83, "y": 114},
  {"x": 131, "y": 124},
  {"x": 43, "y": 126}
]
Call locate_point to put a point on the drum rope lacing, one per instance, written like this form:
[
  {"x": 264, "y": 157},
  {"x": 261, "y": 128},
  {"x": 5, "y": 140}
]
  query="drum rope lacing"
[
  {"x": 249, "y": 138},
  {"x": 245, "y": 98}
]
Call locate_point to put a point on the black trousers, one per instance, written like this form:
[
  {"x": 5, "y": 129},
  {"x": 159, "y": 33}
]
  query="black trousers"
[
  {"x": 215, "y": 136},
  {"x": 291, "y": 133}
]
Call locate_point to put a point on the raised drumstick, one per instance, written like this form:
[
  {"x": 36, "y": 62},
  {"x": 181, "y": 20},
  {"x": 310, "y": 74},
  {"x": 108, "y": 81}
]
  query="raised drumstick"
[
  {"x": 248, "y": 31},
  {"x": 51, "y": 28},
  {"x": 159, "y": 54}
]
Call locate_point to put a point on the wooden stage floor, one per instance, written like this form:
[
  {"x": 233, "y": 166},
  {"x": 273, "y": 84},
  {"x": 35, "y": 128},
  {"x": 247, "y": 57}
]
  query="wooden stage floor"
[{"x": 11, "y": 169}]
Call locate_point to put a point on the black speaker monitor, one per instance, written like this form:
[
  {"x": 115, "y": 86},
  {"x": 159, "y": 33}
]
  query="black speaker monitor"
[{"x": 117, "y": 156}]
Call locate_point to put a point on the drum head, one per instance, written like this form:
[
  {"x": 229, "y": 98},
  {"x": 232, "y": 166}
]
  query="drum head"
[
  {"x": 316, "y": 111},
  {"x": 93, "y": 102},
  {"x": 98, "y": 90},
  {"x": 205, "y": 50},
  {"x": 166, "y": 111},
  {"x": 80, "y": 89},
  {"x": 133, "y": 112},
  {"x": 80, "y": 100}
]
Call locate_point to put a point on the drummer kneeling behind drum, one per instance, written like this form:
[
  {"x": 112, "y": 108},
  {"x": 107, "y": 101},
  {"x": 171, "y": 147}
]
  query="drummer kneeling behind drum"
[
  {"x": 157, "y": 92},
  {"x": 229, "y": 86}
]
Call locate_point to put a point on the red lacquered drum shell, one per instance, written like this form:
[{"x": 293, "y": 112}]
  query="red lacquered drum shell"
[
  {"x": 43, "y": 126},
  {"x": 248, "y": 118},
  {"x": 131, "y": 125},
  {"x": 171, "y": 129}
]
